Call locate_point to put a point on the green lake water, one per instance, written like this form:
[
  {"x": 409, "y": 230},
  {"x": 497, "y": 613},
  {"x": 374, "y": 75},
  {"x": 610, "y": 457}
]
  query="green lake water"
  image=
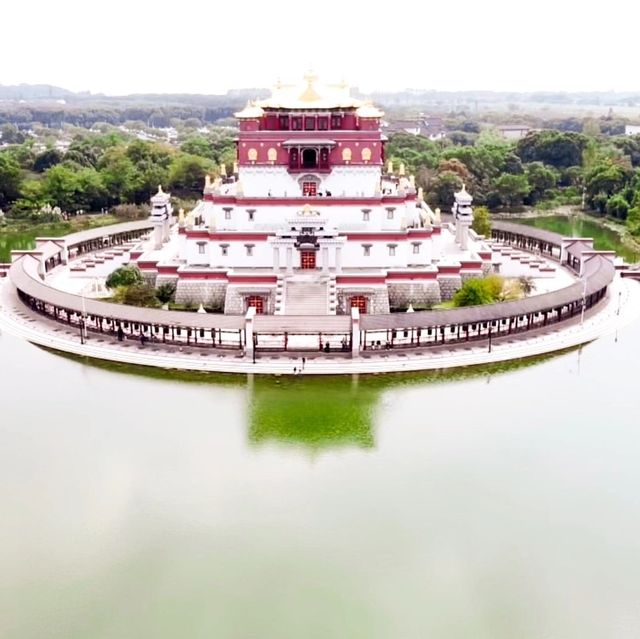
[
  {"x": 500, "y": 504},
  {"x": 604, "y": 239},
  {"x": 14, "y": 242}
]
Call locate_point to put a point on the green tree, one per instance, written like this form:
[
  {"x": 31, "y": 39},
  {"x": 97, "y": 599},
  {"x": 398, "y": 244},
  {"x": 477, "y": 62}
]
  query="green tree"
[
  {"x": 124, "y": 276},
  {"x": 633, "y": 218},
  {"x": 165, "y": 292},
  {"x": 541, "y": 179},
  {"x": 617, "y": 207},
  {"x": 481, "y": 221},
  {"x": 10, "y": 134},
  {"x": 46, "y": 160},
  {"x": 198, "y": 145},
  {"x": 60, "y": 187},
  {"x": 555, "y": 148},
  {"x": 187, "y": 173},
  {"x": 118, "y": 174},
  {"x": 10, "y": 179},
  {"x": 478, "y": 291},
  {"x": 443, "y": 187},
  {"x": 512, "y": 189}
]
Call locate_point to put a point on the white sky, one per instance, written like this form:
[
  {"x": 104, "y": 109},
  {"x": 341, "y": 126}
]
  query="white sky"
[{"x": 126, "y": 46}]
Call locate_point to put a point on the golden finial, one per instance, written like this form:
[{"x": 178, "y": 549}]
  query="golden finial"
[
  {"x": 223, "y": 169},
  {"x": 401, "y": 169},
  {"x": 390, "y": 167}
]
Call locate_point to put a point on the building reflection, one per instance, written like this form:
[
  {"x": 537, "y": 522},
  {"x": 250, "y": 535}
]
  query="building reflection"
[{"x": 312, "y": 413}]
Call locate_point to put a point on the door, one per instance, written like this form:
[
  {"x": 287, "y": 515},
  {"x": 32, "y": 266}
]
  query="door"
[
  {"x": 257, "y": 302},
  {"x": 310, "y": 189},
  {"x": 308, "y": 259},
  {"x": 359, "y": 302}
]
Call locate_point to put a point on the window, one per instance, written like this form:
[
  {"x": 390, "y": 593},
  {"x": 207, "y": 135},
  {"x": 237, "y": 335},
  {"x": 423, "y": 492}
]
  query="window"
[
  {"x": 365, "y": 214},
  {"x": 336, "y": 121},
  {"x": 227, "y": 213},
  {"x": 366, "y": 250},
  {"x": 416, "y": 248},
  {"x": 249, "y": 248},
  {"x": 224, "y": 249},
  {"x": 390, "y": 213},
  {"x": 296, "y": 123},
  {"x": 250, "y": 214},
  {"x": 392, "y": 249},
  {"x": 323, "y": 124},
  {"x": 201, "y": 247},
  {"x": 284, "y": 122},
  {"x": 310, "y": 124}
]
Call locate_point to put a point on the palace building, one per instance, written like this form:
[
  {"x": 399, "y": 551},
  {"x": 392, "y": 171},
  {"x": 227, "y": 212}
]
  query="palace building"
[{"x": 313, "y": 219}]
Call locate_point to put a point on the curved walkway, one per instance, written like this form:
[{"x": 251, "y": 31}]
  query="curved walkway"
[{"x": 620, "y": 308}]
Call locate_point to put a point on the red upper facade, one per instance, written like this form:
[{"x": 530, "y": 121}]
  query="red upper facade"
[{"x": 312, "y": 127}]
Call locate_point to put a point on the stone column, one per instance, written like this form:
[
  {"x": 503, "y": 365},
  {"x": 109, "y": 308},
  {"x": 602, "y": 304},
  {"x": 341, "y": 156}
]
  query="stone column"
[
  {"x": 248, "y": 331},
  {"x": 325, "y": 259},
  {"x": 289, "y": 260},
  {"x": 338, "y": 259},
  {"x": 276, "y": 258},
  {"x": 355, "y": 332}
]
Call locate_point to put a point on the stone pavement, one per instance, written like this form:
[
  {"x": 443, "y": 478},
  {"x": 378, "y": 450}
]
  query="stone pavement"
[{"x": 621, "y": 308}]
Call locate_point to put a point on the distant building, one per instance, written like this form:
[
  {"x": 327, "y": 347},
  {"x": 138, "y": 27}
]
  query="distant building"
[
  {"x": 632, "y": 129},
  {"x": 430, "y": 127},
  {"x": 514, "y": 131}
]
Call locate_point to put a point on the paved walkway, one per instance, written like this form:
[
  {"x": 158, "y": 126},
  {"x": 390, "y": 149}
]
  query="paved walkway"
[{"x": 621, "y": 308}]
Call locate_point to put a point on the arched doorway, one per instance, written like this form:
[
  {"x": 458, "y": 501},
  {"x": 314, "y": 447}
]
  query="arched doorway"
[{"x": 309, "y": 159}]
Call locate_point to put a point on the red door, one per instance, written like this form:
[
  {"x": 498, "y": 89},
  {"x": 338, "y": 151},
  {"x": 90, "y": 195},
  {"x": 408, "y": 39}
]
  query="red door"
[
  {"x": 257, "y": 302},
  {"x": 308, "y": 259},
  {"x": 359, "y": 302},
  {"x": 310, "y": 189}
]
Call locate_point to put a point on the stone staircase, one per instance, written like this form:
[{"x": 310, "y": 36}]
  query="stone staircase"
[{"x": 306, "y": 295}]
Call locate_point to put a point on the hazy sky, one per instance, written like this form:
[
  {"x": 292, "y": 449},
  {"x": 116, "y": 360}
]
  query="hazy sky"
[{"x": 126, "y": 46}]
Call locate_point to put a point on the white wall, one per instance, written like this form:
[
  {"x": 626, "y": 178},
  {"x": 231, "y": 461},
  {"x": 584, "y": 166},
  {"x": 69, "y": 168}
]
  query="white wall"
[
  {"x": 350, "y": 181},
  {"x": 344, "y": 218}
]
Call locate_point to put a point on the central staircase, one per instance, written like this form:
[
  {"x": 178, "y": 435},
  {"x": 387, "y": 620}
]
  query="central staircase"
[{"x": 306, "y": 295}]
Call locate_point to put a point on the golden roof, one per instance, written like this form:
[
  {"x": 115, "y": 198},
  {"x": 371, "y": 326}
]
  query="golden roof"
[
  {"x": 367, "y": 110},
  {"x": 250, "y": 111},
  {"x": 310, "y": 94}
]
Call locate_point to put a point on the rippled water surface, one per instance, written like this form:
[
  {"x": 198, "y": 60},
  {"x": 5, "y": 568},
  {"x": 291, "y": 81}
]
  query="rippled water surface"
[{"x": 502, "y": 504}]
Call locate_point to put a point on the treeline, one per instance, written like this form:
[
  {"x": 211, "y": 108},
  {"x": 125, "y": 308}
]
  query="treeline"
[
  {"x": 153, "y": 116},
  {"x": 546, "y": 168},
  {"x": 102, "y": 170}
]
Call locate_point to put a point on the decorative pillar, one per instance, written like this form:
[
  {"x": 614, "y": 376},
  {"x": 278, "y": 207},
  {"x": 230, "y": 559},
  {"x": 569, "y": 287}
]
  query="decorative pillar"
[
  {"x": 338, "y": 259},
  {"x": 355, "y": 332},
  {"x": 325, "y": 259},
  {"x": 249, "y": 346},
  {"x": 463, "y": 216},
  {"x": 160, "y": 217},
  {"x": 276, "y": 258},
  {"x": 289, "y": 260}
]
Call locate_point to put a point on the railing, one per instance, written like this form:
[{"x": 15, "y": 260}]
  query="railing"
[{"x": 273, "y": 333}]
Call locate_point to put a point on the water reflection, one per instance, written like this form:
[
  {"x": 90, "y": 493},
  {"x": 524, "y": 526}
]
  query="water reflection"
[
  {"x": 313, "y": 413},
  {"x": 316, "y": 413}
]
